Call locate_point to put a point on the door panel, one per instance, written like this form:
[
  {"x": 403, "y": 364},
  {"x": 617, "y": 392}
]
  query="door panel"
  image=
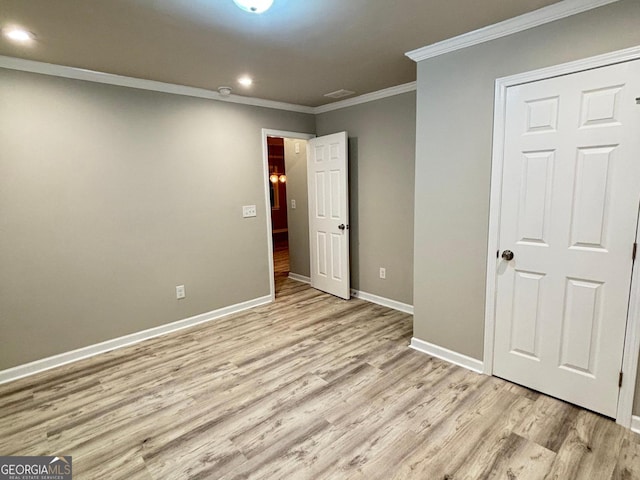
[
  {"x": 571, "y": 187},
  {"x": 535, "y": 196},
  {"x": 328, "y": 210},
  {"x": 525, "y": 318},
  {"x": 590, "y": 203},
  {"x": 581, "y": 324}
]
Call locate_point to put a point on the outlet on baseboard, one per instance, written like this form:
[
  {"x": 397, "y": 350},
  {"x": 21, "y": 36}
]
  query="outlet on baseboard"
[
  {"x": 180, "y": 292},
  {"x": 383, "y": 273}
]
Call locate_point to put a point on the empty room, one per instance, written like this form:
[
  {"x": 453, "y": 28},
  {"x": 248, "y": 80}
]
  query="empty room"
[{"x": 319, "y": 239}]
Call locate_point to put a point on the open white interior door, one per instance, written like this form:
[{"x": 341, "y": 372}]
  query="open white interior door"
[{"x": 329, "y": 214}]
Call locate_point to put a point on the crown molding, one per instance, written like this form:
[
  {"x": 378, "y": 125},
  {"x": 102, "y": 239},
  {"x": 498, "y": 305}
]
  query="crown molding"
[
  {"x": 51, "y": 69},
  {"x": 140, "y": 83},
  {"x": 367, "y": 97},
  {"x": 557, "y": 11}
]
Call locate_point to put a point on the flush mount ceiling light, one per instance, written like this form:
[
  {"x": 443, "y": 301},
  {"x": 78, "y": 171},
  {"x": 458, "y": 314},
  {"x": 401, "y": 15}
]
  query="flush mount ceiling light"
[
  {"x": 254, "y": 6},
  {"x": 245, "y": 81},
  {"x": 18, "y": 34}
]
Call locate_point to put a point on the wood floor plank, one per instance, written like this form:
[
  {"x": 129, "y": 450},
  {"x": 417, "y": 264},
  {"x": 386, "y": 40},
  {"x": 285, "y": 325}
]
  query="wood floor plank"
[
  {"x": 628, "y": 465},
  {"x": 232, "y": 418},
  {"x": 591, "y": 449},
  {"x": 497, "y": 443},
  {"x": 390, "y": 456},
  {"x": 128, "y": 464},
  {"x": 520, "y": 459},
  {"x": 309, "y": 387},
  {"x": 28, "y": 441},
  {"x": 270, "y": 461},
  {"x": 281, "y": 423},
  {"x": 353, "y": 440},
  {"x": 41, "y": 413},
  {"x": 549, "y": 423},
  {"x": 197, "y": 459},
  {"x": 459, "y": 435},
  {"x": 125, "y": 418},
  {"x": 415, "y": 372}
]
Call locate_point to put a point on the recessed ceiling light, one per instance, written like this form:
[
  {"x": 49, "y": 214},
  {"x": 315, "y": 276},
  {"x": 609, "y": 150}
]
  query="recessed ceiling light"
[
  {"x": 245, "y": 81},
  {"x": 18, "y": 34},
  {"x": 254, "y": 6}
]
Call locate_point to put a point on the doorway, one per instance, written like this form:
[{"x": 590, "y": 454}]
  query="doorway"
[
  {"x": 317, "y": 244},
  {"x": 279, "y": 206},
  {"x": 285, "y": 179}
]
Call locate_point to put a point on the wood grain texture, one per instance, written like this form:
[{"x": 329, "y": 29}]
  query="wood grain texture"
[{"x": 309, "y": 387}]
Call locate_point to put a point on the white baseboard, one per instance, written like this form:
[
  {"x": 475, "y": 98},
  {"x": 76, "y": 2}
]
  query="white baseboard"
[
  {"x": 299, "y": 278},
  {"x": 369, "y": 297},
  {"x": 447, "y": 355},
  {"x": 635, "y": 424},
  {"x": 385, "y": 302},
  {"x": 103, "y": 347}
]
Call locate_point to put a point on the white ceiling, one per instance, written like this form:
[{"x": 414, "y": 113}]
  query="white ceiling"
[{"x": 295, "y": 52}]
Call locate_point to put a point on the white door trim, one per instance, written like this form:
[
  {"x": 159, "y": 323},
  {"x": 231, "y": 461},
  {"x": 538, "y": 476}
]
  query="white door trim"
[
  {"x": 266, "y": 132},
  {"x": 631, "y": 349},
  {"x": 632, "y": 336}
]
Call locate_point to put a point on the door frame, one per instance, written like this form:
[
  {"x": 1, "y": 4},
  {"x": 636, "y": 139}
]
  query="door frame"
[
  {"x": 267, "y": 132},
  {"x": 631, "y": 350}
]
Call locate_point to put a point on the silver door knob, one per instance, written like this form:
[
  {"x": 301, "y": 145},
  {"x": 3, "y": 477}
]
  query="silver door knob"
[{"x": 507, "y": 255}]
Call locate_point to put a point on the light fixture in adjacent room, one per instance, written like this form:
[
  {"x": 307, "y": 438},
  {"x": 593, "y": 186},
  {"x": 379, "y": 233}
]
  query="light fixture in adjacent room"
[
  {"x": 224, "y": 91},
  {"x": 19, "y": 35},
  {"x": 274, "y": 178},
  {"x": 254, "y": 6}
]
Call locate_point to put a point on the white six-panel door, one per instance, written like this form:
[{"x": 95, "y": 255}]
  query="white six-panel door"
[
  {"x": 571, "y": 187},
  {"x": 329, "y": 214}
]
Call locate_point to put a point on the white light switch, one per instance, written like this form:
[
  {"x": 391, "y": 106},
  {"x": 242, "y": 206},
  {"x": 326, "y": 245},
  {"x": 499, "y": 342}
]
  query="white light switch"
[
  {"x": 249, "y": 211},
  {"x": 180, "y": 292},
  {"x": 297, "y": 147},
  {"x": 293, "y": 204}
]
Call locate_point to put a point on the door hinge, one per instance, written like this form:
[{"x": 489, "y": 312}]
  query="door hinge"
[
  {"x": 620, "y": 380},
  {"x": 635, "y": 250}
]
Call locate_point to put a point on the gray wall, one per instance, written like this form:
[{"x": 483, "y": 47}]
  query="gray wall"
[
  {"x": 297, "y": 218},
  {"x": 453, "y": 162},
  {"x": 110, "y": 197},
  {"x": 381, "y": 175}
]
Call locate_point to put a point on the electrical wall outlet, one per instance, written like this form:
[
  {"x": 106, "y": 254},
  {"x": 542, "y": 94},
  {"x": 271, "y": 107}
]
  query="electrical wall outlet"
[
  {"x": 180, "y": 292},
  {"x": 293, "y": 204},
  {"x": 249, "y": 211},
  {"x": 383, "y": 273}
]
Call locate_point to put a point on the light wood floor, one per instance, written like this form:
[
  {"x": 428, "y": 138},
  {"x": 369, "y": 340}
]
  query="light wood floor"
[
  {"x": 281, "y": 257},
  {"x": 310, "y": 387}
]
